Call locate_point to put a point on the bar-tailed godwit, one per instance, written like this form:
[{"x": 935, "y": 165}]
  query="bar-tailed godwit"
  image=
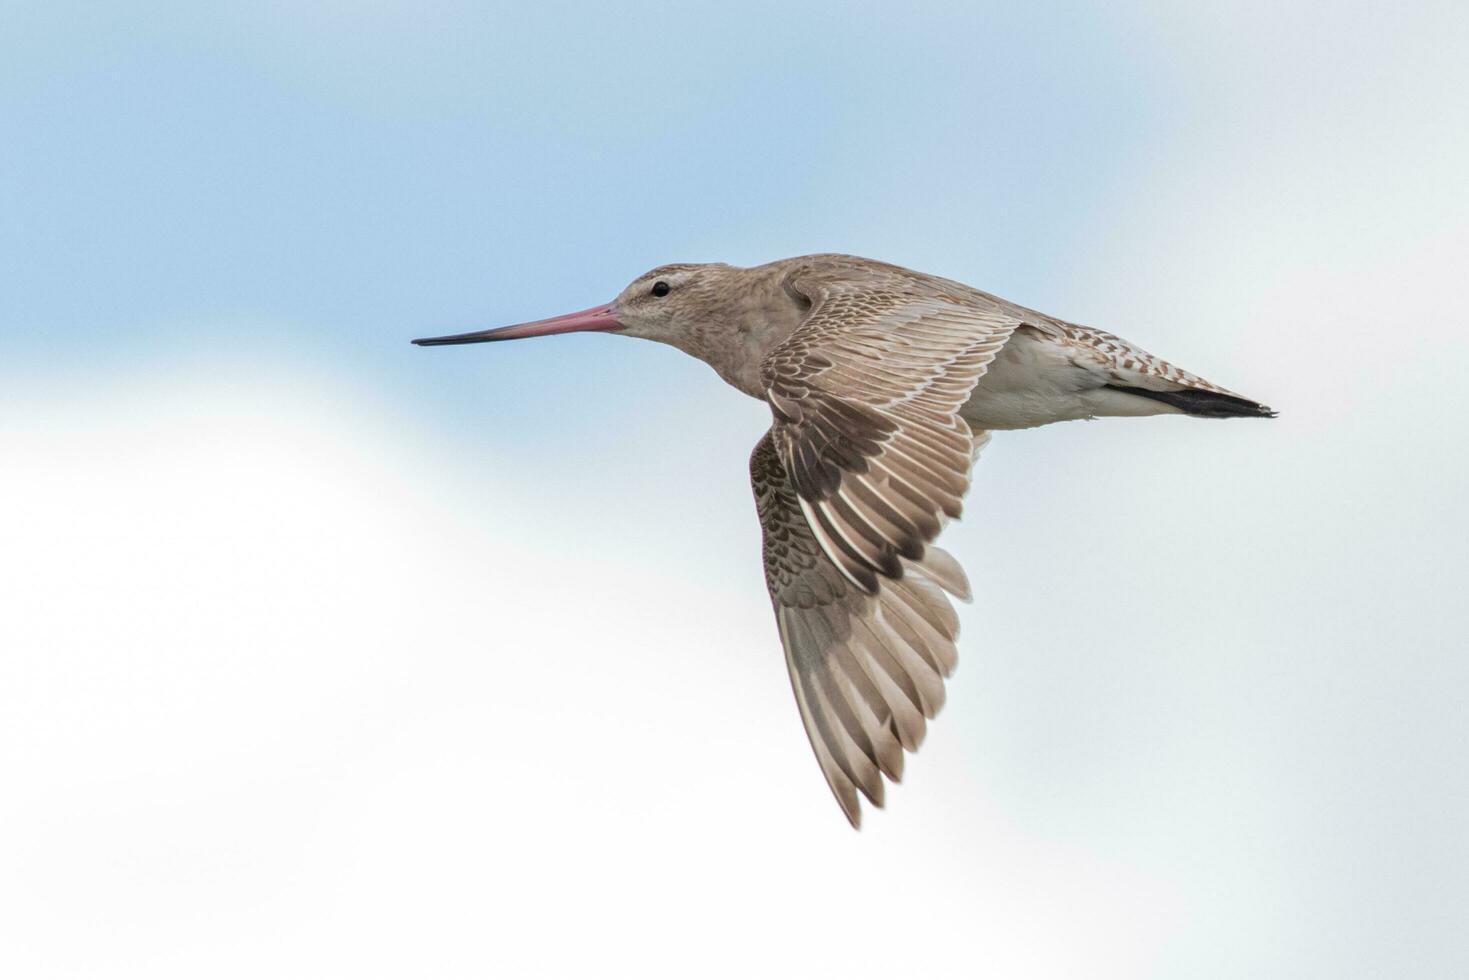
[{"x": 883, "y": 384}]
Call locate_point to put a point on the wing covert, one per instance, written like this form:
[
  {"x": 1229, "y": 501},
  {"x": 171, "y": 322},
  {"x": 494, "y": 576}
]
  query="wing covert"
[{"x": 866, "y": 396}]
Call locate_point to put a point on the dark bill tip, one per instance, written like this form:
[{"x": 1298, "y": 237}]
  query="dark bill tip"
[
  {"x": 462, "y": 338},
  {"x": 596, "y": 318}
]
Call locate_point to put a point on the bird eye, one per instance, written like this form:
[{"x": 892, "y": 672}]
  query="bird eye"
[{"x": 660, "y": 288}]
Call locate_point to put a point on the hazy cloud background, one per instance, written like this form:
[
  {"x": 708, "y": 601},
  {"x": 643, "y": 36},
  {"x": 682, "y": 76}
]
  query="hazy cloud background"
[{"x": 325, "y": 656}]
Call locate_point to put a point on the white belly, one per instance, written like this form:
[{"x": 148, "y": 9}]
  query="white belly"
[{"x": 1035, "y": 381}]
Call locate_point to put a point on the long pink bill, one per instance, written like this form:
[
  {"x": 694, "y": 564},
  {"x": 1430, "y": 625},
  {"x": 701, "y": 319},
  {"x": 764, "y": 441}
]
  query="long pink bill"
[{"x": 596, "y": 318}]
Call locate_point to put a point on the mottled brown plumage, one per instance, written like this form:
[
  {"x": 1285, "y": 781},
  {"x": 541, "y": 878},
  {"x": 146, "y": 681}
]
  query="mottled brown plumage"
[
  {"x": 866, "y": 396},
  {"x": 867, "y": 665},
  {"x": 882, "y": 384}
]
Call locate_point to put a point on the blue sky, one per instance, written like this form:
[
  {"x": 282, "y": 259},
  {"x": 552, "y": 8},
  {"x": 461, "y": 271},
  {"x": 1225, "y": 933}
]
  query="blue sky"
[
  {"x": 308, "y": 620},
  {"x": 334, "y": 183}
]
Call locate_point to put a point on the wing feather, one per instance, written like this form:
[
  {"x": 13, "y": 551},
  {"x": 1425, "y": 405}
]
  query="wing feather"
[
  {"x": 866, "y": 394},
  {"x": 867, "y": 668},
  {"x": 865, "y": 462}
]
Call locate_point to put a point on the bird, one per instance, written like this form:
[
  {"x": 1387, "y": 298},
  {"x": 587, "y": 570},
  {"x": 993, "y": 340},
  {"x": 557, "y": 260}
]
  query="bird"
[{"x": 883, "y": 385}]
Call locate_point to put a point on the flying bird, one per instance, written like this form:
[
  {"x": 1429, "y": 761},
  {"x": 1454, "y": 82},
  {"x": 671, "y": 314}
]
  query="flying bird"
[{"x": 883, "y": 385}]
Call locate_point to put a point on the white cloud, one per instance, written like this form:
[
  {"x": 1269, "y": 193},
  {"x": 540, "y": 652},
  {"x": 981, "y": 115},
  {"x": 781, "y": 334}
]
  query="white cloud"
[
  {"x": 284, "y": 692},
  {"x": 285, "y": 695}
]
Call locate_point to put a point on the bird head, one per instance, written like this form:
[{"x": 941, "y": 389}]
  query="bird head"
[{"x": 666, "y": 304}]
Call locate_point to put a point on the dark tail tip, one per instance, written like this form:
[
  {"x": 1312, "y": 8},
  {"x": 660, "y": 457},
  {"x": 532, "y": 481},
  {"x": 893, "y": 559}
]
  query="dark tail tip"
[{"x": 1204, "y": 404}]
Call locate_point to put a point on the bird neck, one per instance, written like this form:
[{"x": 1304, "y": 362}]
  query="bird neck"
[{"x": 755, "y": 314}]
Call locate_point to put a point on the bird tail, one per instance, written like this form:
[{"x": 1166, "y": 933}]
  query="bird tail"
[{"x": 1204, "y": 404}]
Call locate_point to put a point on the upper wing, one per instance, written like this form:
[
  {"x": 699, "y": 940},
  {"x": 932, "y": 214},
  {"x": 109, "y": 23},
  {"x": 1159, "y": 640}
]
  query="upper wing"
[
  {"x": 866, "y": 396},
  {"x": 867, "y": 670}
]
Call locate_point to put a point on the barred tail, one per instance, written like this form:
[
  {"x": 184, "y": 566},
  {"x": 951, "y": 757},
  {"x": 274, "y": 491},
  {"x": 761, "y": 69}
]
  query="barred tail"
[{"x": 1203, "y": 404}]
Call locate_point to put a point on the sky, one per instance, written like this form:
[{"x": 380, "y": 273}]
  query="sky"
[{"x": 323, "y": 655}]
